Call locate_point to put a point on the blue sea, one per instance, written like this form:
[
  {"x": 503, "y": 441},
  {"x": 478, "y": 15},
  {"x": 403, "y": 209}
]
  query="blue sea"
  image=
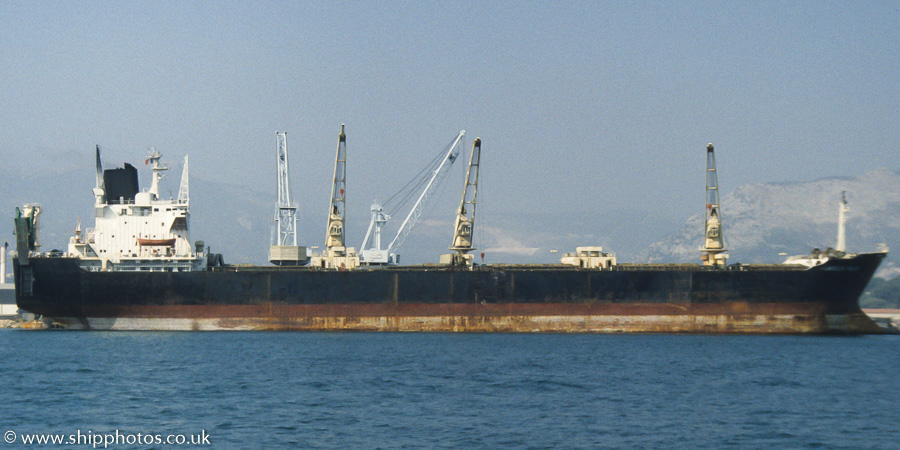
[{"x": 394, "y": 390}]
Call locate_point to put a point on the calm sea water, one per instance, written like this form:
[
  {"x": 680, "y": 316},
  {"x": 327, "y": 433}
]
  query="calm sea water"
[{"x": 362, "y": 390}]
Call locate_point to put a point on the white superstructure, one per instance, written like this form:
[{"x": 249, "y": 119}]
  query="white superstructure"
[
  {"x": 589, "y": 257},
  {"x": 134, "y": 230}
]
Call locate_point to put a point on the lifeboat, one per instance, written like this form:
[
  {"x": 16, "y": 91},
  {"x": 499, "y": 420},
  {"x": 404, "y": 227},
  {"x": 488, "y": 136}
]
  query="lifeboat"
[{"x": 156, "y": 242}]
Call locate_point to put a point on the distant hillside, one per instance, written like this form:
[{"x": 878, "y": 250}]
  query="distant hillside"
[
  {"x": 763, "y": 220},
  {"x": 236, "y": 221},
  {"x": 882, "y": 294}
]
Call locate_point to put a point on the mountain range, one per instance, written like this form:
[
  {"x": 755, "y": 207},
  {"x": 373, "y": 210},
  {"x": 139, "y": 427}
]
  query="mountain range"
[
  {"x": 762, "y": 222},
  {"x": 766, "y": 222}
]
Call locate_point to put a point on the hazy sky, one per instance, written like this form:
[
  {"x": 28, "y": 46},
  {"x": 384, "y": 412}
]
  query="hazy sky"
[{"x": 582, "y": 106}]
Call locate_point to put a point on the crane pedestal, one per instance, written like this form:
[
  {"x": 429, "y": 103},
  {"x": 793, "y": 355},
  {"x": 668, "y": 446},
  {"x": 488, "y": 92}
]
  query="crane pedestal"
[
  {"x": 456, "y": 259},
  {"x": 288, "y": 255}
]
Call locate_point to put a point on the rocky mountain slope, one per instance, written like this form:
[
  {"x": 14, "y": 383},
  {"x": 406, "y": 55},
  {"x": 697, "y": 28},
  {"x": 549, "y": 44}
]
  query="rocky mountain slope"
[{"x": 762, "y": 221}]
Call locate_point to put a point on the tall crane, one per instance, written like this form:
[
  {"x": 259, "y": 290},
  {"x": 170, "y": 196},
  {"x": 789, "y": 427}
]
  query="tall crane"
[
  {"x": 464, "y": 229},
  {"x": 377, "y": 255},
  {"x": 336, "y": 254},
  {"x": 284, "y": 250},
  {"x": 334, "y": 236},
  {"x": 713, "y": 247}
]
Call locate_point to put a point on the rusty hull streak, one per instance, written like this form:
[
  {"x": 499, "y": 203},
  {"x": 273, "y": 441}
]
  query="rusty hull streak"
[
  {"x": 638, "y": 299},
  {"x": 735, "y": 317}
]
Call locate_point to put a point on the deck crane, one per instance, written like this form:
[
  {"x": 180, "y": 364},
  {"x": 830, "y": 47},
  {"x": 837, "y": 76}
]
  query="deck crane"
[
  {"x": 284, "y": 250},
  {"x": 337, "y": 255},
  {"x": 376, "y": 255},
  {"x": 334, "y": 234},
  {"x": 713, "y": 247},
  {"x": 464, "y": 229}
]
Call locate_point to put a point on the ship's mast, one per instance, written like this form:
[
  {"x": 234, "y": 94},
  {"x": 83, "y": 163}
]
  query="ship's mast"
[
  {"x": 183, "y": 190},
  {"x": 713, "y": 246},
  {"x": 100, "y": 189},
  {"x": 465, "y": 214},
  {"x": 158, "y": 172},
  {"x": 842, "y": 224},
  {"x": 334, "y": 236}
]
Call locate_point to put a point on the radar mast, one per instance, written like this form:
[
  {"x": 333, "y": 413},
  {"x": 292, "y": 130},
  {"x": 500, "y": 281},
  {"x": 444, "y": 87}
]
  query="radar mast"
[{"x": 158, "y": 171}]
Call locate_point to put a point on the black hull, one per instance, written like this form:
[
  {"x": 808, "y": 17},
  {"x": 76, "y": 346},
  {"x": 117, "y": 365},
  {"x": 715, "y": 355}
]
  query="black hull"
[{"x": 682, "y": 298}]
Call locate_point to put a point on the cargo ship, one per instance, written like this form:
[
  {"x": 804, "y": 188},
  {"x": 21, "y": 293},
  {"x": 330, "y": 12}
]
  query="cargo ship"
[{"x": 136, "y": 269}]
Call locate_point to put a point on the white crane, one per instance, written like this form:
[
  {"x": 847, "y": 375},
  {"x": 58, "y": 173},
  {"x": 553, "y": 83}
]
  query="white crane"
[
  {"x": 377, "y": 255},
  {"x": 284, "y": 250}
]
